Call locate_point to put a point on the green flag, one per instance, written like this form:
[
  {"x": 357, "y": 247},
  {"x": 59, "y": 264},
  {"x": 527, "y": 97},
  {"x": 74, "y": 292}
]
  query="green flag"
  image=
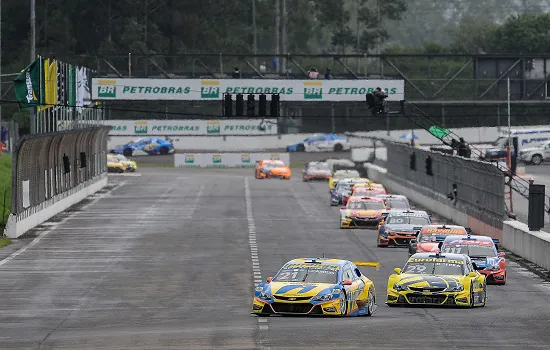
[
  {"x": 438, "y": 132},
  {"x": 27, "y": 86}
]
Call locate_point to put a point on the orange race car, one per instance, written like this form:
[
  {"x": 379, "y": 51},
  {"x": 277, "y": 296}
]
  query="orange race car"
[
  {"x": 272, "y": 169},
  {"x": 430, "y": 236},
  {"x": 362, "y": 212}
]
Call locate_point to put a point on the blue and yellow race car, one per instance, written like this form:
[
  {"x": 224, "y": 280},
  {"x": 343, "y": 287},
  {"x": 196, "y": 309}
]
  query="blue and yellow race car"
[
  {"x": 146, "y": 146},
  {"x": 317, "y": 286}
]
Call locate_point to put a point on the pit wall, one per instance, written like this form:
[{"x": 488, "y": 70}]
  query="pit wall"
[{"x": 515, "y": 236}]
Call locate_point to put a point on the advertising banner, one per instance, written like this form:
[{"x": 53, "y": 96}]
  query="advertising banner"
[
  {"x": 193, "y": 127},
  {"x": 225, "y": 160},
  {"x": 213, "y": 89}
]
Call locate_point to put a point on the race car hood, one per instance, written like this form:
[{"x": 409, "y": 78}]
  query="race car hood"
[
  {"x": 429, "y": 281},
  {"x": 296, "y": 289},
  {"x": 428, "y": 247},
  {"x": 486, "y": 262},
  {"x": 363, "y": 213},
  {"x": 403, "y": 227}
]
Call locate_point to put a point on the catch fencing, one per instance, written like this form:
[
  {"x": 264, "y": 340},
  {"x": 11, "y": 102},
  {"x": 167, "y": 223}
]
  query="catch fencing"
[
  {"x": 475, "y": 187},
  {"x": 52, "y": 166}
]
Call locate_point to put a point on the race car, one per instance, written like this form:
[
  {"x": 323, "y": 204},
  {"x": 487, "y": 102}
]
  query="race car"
[
  {"x": 483, "y": 252},
  {"x": 395, "y": 201},
  {"x": 316, "y": 171},
  {"x": 131, "y": 165},
  {"x": 362, "y": 212},
  {"x": 317, "y": 286},
  {"x": 364, "y": 190},
  {"x": 370, "y": 184},
  {"x": 400, "y": 226},
  {"x": 146, "y": 146},
  {"x": 429, "y": 237},
  {"x": 343, "y": 189},
  {"x": 437, "y": 279},
  {"x": 321, "y": 143},
  {"x": 340, "y": 175},
  {"x": 115, "y": 166},
  {"x": 272, "y": 169}
]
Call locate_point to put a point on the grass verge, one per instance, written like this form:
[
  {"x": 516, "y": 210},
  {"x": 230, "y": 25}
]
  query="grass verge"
[
  {"x": 5, "y": 189},
  {"x": 4, "y": 242}
]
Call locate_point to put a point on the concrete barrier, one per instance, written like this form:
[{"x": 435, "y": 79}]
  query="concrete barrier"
[
  {"x": 433, "y": 202},
  {"x": 531, "y": 245},
  {"x": 17, "y": 225}
]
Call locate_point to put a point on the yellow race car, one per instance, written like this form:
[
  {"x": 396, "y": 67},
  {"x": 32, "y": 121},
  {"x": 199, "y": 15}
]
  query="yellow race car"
[
  {"x": 317, "y": 286},
  {"x": 114, "y": 166},
  {"x": 119, "y": 158},
  {"x": 437, "y": 279},
  {"x": 342, "y": 174}
]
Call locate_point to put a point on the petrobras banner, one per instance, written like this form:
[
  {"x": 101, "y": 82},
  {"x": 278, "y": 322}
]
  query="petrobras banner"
[
  {"x": 193, "y": 127},
  {"x": 214, "y": 89},
  {"x": 225, "y": 160}
]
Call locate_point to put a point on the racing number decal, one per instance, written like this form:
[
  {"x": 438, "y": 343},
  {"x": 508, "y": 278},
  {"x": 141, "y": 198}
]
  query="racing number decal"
[
  {"x": 286, "y": 274},
  {"x": 417, "y": 268}
]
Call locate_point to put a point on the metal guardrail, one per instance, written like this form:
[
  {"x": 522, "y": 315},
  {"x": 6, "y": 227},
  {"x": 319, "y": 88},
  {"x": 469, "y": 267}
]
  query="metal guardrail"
[
  {"x": 38, "y": 173},
  {"x": 475, "y": 187}
]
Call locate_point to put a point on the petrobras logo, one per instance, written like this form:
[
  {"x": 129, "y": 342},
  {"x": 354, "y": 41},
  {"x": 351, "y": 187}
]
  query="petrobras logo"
[
  {"x": 275, "y": 156},
  {"x": 189, "y": 159},
  {"x": 210, "y": 89},
  {"x": 313, "y": 90},
  {"x": 106, "y": 88},
  {"x": 245, "y": 158}
]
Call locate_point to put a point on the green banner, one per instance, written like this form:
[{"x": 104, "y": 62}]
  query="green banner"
[
  {"x": 438, "y": 132},
  {"x": 27, "y": 86}
]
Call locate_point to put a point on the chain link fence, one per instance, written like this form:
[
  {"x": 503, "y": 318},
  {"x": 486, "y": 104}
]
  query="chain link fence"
[
  {"x": 50, "y": 167},
  {"x": 475, "y": 187}
]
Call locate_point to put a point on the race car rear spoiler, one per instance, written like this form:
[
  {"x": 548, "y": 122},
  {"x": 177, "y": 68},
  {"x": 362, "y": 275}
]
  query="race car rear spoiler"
[{"x": 368, "y": 263}]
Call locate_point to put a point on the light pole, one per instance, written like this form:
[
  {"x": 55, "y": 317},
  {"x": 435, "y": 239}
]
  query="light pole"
[{"x": 32, "y": 120}]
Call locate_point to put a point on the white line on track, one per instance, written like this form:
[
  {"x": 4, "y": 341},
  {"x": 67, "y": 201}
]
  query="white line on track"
[
  {"x": 253, "y": 247},
  {"x": 52, "y": 227}
]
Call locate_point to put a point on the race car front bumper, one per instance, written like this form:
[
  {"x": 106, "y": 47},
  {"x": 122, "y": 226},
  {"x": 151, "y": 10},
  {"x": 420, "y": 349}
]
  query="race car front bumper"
[
  {"x": 397, "y": 239},
  {"x": 360, "y": 222},
  {"x": 494, "y": 276},
  {"x": 300, "y": 307},
  {"x": 428, "y": 298}
]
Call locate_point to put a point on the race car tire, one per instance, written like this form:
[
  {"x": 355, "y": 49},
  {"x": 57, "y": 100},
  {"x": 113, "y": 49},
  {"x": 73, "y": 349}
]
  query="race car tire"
[
  {"x": 120, "y": 171},
  {"x": 371, "y": 301},
  {"x": 338, "y": 147},
  {"x": 536, "y": 159},
  {"x": 344, "y": 304},
  {"x": 484, "y": 295},
  {"x": 300, "y": 148},
  {"x": 164, "y": 151},
  {"x": 472, "y": 301},
  {"x": 127, "y": 152}
]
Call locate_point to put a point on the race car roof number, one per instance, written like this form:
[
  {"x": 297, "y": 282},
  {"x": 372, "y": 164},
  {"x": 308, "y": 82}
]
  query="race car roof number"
[
  {"x": 442, "y": 230},
  {"x": 438, "y": 260}
]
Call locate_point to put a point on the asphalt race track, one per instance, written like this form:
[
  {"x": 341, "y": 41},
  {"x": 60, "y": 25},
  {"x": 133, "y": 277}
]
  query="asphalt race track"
[{"x": 164, "y": 260}]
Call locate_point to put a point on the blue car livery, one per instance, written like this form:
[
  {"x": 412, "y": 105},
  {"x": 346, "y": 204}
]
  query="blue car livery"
[
  {"x": 146, "y": 147},
  {"x": 321, "y": 143}
]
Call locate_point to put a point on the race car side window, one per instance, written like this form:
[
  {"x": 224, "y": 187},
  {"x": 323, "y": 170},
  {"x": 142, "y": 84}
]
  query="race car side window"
[{"x": 348, "y": 275}]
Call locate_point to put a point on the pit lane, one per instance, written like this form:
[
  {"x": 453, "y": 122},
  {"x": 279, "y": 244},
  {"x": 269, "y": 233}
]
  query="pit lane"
[{"x": 163, "y": 261}]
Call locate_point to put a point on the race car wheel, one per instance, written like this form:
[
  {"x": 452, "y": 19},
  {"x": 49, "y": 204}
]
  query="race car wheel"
[
  {"x": 164, "y": 151},
  {"x": 536, "y": 159},
  {"x": 300, "y": 148},
  {"x": 370, "y": 302},
  {"x": 472, "y": 301},
  {"x": 338, "y": 148},
  {"x": 343, "y": 304},
  {"x": 127, "y": 152}
]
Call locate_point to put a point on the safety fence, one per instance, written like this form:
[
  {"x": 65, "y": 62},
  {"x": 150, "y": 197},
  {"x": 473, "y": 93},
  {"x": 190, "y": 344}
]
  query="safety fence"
[
  {"x": 52, "y": 166},
  {"x": 475, "y": 187}
]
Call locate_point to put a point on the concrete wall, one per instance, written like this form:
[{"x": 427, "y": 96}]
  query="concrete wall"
[
  {"x": 17, "y": 226},
  {"x": 531, "y": 245},
  {"x": 247, "y": 143}
]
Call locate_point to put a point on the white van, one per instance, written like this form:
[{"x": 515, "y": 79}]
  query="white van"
[{"x": 527, "y": 138}]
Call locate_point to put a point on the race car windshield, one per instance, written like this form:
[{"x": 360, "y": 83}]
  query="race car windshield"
[
  {"x": 476, "y": 251},
  {"x": 434, "y": 268},
  {"x": 431, "y": 237},
  {"x": 349, "y": 174},
  {"x": 397, "y": 204},
  {"x": 273, "y": 165},
  {"x": 410, "y": 220},
  {"x": 366, "y": 205},
  {"x": 311, "y": 275}
]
